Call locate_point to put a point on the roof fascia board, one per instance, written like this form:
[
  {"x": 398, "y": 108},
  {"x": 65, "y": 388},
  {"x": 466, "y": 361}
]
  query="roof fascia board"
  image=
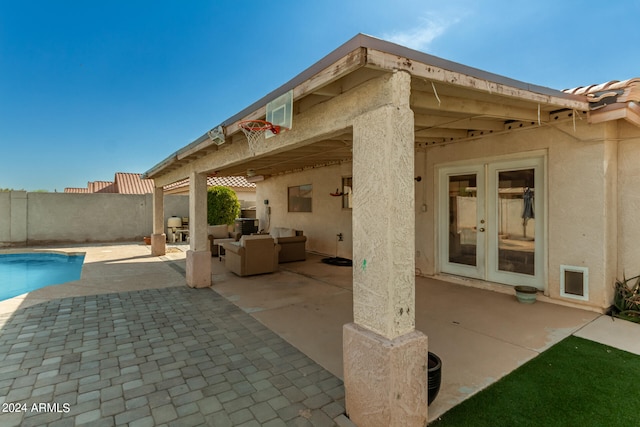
[
  {"x": 472, "y": 78},
  {"x": 172, "y": 158},
  {"x": 630, "y": 112}
]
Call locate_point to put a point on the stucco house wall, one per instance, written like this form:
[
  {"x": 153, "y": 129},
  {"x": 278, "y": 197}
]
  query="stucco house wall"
[
  {"x": 577, "y": 187},
  {"x": 327, "y": 219},
  {"x": 628, "y": 201}
]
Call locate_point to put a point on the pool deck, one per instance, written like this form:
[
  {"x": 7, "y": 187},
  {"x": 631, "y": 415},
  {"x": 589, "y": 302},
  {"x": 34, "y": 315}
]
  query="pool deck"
[{"x": 129, "y": 343}]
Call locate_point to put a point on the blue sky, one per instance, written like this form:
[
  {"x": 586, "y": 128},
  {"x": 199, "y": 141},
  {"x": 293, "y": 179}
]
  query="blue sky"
[{"x": 91, "y": 88}]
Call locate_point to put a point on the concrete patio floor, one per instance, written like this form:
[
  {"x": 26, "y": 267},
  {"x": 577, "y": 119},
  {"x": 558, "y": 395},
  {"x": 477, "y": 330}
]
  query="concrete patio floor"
[{"x": 480, "y": 335}]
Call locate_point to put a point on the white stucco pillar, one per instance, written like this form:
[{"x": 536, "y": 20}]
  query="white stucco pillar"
[
  {"x": 385, "y": 359},
  {"x": 158, "y": 238},
  {"x": 199, "y": 254}
]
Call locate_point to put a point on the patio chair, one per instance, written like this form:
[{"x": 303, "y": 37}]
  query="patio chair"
[
  {"x": 257, "y": 254},
  {"x": 218, "y": 234},
  {"x": 292, "y": 244}
]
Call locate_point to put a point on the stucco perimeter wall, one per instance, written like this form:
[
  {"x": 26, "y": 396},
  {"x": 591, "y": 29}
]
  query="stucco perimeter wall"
[
  {"x": 578, "y": 184},
  {"x": 5, "y": 216},
  {"x": 629, "y": 201},
  {"x": 38, "y": 218},
  {"x": 328, "y": 217}
]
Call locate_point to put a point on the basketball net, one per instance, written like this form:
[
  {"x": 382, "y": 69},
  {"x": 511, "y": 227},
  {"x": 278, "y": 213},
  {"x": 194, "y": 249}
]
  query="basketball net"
[{"x": 254, "y": 129}]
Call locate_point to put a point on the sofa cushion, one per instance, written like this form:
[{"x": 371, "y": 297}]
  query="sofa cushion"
[
  {"x": 246, "y": 238},
  {"x": 282, "y": 232},
  {"x": 219, "y": 231},
  {"x": 275, "y": 232},
  {"x": 287, "y": 232}
]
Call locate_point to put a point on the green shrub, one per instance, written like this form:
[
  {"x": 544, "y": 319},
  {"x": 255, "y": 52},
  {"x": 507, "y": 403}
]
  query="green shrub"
[
  {"x": 627, "y": 299},
  {"x": 223, "y": 206}
]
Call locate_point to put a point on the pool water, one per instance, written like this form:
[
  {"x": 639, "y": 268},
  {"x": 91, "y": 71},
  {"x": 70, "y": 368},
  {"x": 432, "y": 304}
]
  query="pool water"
[{"x": 26, "y": 272}]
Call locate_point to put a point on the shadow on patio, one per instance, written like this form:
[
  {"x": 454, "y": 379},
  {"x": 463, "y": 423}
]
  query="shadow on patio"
[{"x": 480, "y": 335}]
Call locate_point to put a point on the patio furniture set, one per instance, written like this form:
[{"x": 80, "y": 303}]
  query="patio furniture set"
[{"x": 256, "y": 253}]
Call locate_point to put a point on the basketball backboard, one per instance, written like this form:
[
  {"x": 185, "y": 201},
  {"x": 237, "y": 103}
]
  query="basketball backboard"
[{"x": 280, "y": 112}]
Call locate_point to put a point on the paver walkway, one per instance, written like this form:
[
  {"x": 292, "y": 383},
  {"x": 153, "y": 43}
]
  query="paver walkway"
[{"x": 159, "y": 357}]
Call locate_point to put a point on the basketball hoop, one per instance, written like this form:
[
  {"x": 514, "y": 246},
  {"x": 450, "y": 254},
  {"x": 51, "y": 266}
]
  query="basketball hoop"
[{"x": 253, "y": 129}]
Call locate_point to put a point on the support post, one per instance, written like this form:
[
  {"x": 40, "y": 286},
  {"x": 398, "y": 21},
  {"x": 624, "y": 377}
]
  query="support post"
[
  {"x": 385, "y": 358},
  {"x": 199, "y": 255},
  {"x": 158, "y": 238}
]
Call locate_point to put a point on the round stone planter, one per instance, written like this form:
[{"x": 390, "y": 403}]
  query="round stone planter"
[
  {"x": 434, "y": 377},
  {"x": 526, "y": 294}
]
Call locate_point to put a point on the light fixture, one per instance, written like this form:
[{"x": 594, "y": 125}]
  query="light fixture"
[
  {"x": 217, "y": 135},
  {"x": 255, "y": 178}
]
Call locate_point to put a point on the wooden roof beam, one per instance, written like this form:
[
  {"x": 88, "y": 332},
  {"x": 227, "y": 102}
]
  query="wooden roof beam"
[
  {"x": 435, "y": 133},
  {"x": 477, "y": 108},
  {"x": 452, "y": 122}
]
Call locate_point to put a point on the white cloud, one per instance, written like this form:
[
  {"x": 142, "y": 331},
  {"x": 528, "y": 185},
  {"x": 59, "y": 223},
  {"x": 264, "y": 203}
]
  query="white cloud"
[{"x": 420, "y": 37}]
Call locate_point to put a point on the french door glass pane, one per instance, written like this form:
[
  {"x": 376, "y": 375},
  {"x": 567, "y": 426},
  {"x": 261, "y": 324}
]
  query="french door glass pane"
[
  {"x": 463, "y": 208},
  {"x": 516, "y": 221}
]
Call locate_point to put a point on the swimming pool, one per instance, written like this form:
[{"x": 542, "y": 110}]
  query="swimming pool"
[{"x": 26, "y": 272}]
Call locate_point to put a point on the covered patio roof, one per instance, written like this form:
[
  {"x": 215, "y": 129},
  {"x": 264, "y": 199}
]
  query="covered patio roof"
[
  {"x": 451, "y": 102},
  {"x": 374, "y": 103}
]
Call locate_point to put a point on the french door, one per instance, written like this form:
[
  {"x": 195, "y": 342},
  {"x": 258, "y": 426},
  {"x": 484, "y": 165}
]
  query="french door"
[{"x": 491, "y": 221}]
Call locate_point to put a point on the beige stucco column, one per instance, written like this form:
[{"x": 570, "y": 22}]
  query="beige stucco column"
[
  {"x": 158, "y": 238},
  {"x": 385, "y": 359},
  {"x": 199, "y": 254}
]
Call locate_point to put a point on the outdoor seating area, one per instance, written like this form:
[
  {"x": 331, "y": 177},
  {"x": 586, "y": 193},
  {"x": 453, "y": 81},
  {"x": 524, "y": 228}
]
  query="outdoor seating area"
[{"x": 251, "y": 255}]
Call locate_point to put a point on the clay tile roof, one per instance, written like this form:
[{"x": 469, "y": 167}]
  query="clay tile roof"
[
  {"x": 608, "y": 93},
  {"x": 177, "y": 184},
  {"x": 101, "y": 187},
  {"x": 230, "y": 181},
  {"x": 238, "y": 182},
  {"x": 132, "y": 183},
  {"x": 76, "y": 190}
]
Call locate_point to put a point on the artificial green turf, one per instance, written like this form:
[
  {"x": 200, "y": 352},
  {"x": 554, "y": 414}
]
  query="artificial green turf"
[{"x": 576, "y": 382}]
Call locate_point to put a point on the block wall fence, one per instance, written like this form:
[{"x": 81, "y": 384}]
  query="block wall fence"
[{"x": 30, "y": 219}]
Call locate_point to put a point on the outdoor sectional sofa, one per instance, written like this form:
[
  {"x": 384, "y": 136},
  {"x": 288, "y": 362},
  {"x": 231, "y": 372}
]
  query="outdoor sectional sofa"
[
  {"x": 257, "y": 254},
  {"x": 292, "y": 244}
]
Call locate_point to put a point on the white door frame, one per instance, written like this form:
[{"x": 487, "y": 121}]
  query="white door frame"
[
  {"x": 487, "y": 171},
  {"x": 477, "y": 271}
]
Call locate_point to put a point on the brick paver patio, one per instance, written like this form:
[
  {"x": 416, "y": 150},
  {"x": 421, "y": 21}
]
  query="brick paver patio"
[{"x": 159, "y": 357}]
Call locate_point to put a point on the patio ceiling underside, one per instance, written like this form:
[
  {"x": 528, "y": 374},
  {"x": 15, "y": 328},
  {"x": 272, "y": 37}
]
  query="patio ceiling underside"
[
  {"x": 322, "y": 153},
  {"x": 443, "y": 114}
]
